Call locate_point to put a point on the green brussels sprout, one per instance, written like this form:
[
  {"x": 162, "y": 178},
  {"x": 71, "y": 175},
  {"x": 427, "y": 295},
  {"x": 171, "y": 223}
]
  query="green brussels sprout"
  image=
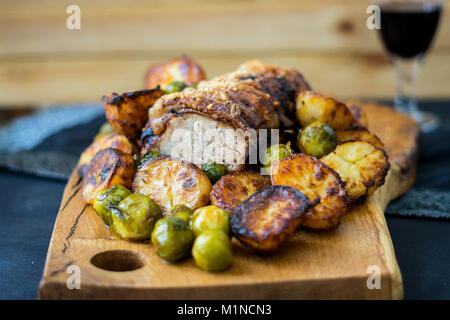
[
  {"x": 175, "y": 86},
  {"x": 172, "y": 238},
  {"x": 212, "y": 250},
  {"x": 151, "y": 154},
  {"x": 135, "y": 217},
  {"x": 317, "y": 139},
  {"x": 277, "y": 152},
  {"x": 104, "y": 130},
  {"x": 108, "y": 199},
  {"x": 210, "y": 217},
  {"x": 214, "y": 171},
  {"x": 182, "y": 212}
]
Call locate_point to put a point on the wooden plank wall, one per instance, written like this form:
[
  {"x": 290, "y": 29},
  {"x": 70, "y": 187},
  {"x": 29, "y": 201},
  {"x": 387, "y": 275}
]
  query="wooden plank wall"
[{"x": 41, "y": 61}]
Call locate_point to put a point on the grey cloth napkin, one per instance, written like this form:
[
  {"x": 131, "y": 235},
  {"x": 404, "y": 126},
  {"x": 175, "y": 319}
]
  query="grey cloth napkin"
[
  {"x": 47, "y": 164},
  {"x": 420, "y": 202},
  {"x": 21, "y": 136}
]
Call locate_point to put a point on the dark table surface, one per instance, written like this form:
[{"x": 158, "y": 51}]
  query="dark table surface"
[{"x": 29, "y": 206}]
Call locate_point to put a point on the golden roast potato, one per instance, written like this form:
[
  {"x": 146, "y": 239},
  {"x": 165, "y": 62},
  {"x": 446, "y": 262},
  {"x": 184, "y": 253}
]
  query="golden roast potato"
[
  {"x": 358, "y": 133},
  {"x": 236, "y": 187},
  {"x": 182, "y": 69},
  {"x": 321, "y": 184},
  {"x": 128, "y": 112},
  {"x": 170, "y": 182},
  {"x": 362, "y": 166},
  {"x": 112, "y": 140},
  {"x": 109, "y": 167},
  {"x": 312, "y": 106},
  {"x": 269, "y": 217}
]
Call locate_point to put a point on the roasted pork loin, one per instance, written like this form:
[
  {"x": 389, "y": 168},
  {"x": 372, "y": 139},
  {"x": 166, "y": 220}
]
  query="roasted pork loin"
[{"x": 218, "y": 119}]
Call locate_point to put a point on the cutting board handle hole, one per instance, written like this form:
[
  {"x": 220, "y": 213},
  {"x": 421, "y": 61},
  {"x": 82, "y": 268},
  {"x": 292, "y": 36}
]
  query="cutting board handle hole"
[{"x": 118, "y": 260}]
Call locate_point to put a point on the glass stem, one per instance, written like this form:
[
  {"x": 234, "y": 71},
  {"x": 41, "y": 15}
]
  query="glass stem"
[{"x": 406, "y": 72}]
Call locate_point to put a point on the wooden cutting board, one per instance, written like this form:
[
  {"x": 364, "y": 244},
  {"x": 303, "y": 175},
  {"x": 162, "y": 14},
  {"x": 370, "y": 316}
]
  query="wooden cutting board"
[{"x": 312, "y": 265}]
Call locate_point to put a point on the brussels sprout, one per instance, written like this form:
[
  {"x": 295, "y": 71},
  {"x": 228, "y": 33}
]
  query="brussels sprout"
[
  {"x": 104, "y": 130},
  {"x": 212, "y": 250},
  {"x": 175, "y": 86},
  {"x": 277, "y": 152},
  {"x": 214, "y": 171},
  {"x": 151, "y": 154},
  {"x": 137, "y": 160},
  {"x": 182, "y": 212},
  {"x": 108, "y": 199},
  {"x": 135, "y": 217},
  {"x": 210, "y": 217},
  {"x": 172, "y": 238},
  {"x": 317, "y": 139}
]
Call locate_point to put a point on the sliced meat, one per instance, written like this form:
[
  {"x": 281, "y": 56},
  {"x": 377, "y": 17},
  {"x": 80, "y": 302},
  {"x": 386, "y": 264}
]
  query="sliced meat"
[
  {"x": 198, "y": 139},
  {"x": 255, "y": 97},
  {"x": 283, "y": 85}
]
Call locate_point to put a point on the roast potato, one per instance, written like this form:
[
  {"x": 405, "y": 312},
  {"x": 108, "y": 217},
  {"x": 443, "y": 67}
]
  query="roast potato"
[
  {"x": 359, "y": 115},
  {"x": 109, "y": 167},
  {"x": 312, "y": 107},
  {"x": 358, "y": 133},
  {"x": 319, "y": 183},
  {"x": 182, "y": 69},
  {"x": 235, "y": 187},
  {"x": 112, "y": 140},
  {"x": 128, "y": 112},
  {"x": 269, "y": 217},
  {"x": 361, "y": 165},
  {"x": 170, "y": 182}
]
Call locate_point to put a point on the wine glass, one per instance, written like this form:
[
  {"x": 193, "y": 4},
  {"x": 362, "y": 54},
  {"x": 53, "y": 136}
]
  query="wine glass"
[{"x": 407, "y": 29}]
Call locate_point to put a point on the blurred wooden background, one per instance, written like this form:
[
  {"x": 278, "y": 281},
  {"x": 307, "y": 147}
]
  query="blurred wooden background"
[{"x": 41, "y": 61}]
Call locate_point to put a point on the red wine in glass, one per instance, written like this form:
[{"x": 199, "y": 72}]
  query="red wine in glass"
[{"x": 407, "y": 29}]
